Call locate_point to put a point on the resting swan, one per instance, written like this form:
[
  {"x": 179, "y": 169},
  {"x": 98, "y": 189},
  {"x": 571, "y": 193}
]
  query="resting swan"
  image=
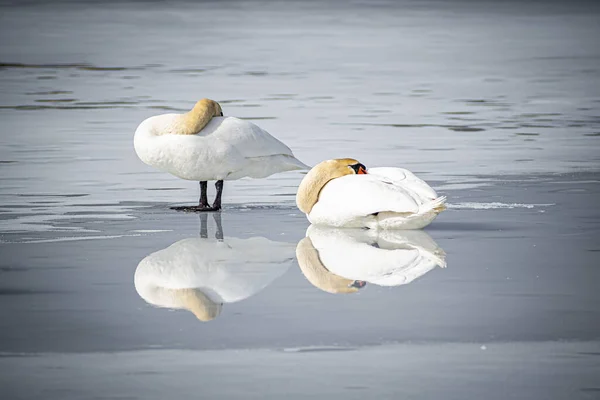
[
  {"x": 345, "y": 260},
  {"x": 340, "y": 193},
  {"x": 203, "y": 145}
]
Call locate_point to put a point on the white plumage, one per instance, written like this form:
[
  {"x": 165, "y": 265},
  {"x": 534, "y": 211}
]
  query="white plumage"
[
  {"x": 226, "y": 148},
  {"x": 384, "y": 198},
  {"x": 384, "y": 258},
  {"x": 218, "y": 271}
]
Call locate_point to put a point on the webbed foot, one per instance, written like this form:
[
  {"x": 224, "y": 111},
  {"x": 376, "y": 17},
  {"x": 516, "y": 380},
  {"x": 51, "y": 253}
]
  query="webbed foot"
[{"x": 200, "y": 208}]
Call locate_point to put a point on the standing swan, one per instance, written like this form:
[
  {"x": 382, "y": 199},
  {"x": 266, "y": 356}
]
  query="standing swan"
[
  {"x": 341, "y": 193},
  {"x": 202, "y": 145}
]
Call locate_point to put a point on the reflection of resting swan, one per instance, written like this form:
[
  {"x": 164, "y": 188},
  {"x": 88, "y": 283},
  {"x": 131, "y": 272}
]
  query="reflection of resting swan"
[
  {"x": 342, "y": 193},
  {"x": 199, "y": 274},
  {"x": 338, "y": 260}
]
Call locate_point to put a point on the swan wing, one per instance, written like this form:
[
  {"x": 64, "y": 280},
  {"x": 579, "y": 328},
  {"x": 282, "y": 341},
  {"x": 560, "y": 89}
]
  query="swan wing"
[
  {"x": 352, "y": 197},
  {"x": 406, "y": 179},
  {"x": 248, "y": 139}
]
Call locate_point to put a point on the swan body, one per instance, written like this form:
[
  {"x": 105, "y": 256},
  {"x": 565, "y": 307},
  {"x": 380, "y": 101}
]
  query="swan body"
[
  {"x": 383, "y": 258},
  {"x": 200, "y": 274},
  {"x": 382, "y": 198},
  {"x": 227, "y": 148}
]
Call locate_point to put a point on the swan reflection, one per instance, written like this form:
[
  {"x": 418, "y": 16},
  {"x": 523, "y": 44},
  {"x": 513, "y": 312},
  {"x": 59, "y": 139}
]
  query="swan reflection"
[
  {"x": 200, "y": 274},
  {"x": 345, "y": 260}
]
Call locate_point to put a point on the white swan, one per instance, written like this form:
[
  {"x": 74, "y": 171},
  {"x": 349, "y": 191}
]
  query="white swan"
[
  {"x": 202, "y": 145},
  {"x": 201, "y": 274},
  {"x": 341, "y": 193},
  {"x": 344, "y": 260}
]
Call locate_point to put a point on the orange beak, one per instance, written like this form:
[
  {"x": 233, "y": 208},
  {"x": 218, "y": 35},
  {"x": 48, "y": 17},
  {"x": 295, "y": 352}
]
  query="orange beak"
[{"x": 362, "y": 171}]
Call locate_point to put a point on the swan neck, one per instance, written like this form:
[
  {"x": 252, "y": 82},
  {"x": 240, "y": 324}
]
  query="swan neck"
[
  {"x": 312, "y": 184},
  {"x": 194, "y": 121},
  {"x": 198, "y": 117},
  {"x": 199, "y": 304}
]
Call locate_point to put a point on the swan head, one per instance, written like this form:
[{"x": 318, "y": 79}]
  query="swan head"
[
  {"x": 318, "y": 275},
  {"x": 319, "y": 175},
  {"x": 199, "y": 304},
  {"x": 198, "y": 117},
  {"x": 209, "y": 107}
]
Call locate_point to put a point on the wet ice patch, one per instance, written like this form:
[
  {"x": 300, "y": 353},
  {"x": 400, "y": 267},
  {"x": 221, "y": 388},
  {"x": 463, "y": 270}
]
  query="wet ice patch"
[
  {"x": 151, "y": 230},
  {"x": 314, "y": 349},
  {"x": 462, "y": 186},
  {"x": 71, "y": 239},
  {"x": 493, "y": 205},
  {"x": 46, "y": 223}
]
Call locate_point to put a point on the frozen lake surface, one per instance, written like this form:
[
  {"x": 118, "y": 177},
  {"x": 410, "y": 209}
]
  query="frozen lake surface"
[{"x": 496, "y": 104}]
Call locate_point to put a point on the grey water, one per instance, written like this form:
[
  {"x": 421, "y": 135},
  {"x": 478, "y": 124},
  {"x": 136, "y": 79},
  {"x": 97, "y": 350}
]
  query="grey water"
[{"x": 496, "y": 104}]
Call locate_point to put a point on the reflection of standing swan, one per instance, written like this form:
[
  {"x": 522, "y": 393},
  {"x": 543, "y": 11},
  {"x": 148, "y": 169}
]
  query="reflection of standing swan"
[
  {"x": 335, "y": 259},
  {"x": 202, "y": 145},
  {"x": 199, "y": 274},
  {"x": 342, "y": 193}
]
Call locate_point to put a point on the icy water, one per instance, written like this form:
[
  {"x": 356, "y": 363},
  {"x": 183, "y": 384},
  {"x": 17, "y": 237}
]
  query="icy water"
[{"x": 496, "y": 104}]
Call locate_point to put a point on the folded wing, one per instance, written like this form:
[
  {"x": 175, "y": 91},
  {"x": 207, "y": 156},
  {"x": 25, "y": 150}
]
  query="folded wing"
[
  {"x": 349, "y": 198},
  {"x": 406, "y": 179}
]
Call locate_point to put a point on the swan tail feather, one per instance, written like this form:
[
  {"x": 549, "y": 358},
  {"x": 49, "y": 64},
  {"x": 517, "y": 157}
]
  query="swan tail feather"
[
  {"x": 436, "y": 205},
  {"x": 297, "y": 163}
]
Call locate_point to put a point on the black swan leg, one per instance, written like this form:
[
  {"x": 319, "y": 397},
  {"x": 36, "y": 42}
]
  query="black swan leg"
[
  {"x": 203, "y": 203},
  {"x": 203, "y": 196},
  {"x": 217, "y": 203}
]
